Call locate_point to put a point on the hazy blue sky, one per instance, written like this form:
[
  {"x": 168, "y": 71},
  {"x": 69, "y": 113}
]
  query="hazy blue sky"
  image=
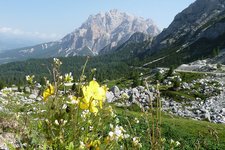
[{"x": 52, "y": 19}]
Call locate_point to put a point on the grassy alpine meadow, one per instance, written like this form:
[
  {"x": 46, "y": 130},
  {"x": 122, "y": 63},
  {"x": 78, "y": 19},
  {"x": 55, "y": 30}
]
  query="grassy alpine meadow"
[{"x": 61, "y": 117}]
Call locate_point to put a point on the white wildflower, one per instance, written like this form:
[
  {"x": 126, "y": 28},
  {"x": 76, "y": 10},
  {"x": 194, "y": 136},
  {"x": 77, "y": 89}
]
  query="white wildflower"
[
  {"x": 117, "y": 120},
  {"x": 30, "y": 79},
  {"x": 111, "y": 134},
  {"x": 136, "y": 142},
  {"x": 136, "y": 120},
  {"x": 117, "y": 133},
  {"x": 171, "y": 141},
  {"x": 64, "y": 106},
  {"x": 177, "y": 143},
  {"x": 57, "y": 61},
  {"x": 56, "y": 122},
  {"x": 82, "y": 145}
]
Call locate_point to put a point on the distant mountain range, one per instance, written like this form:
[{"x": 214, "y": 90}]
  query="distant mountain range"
[
  {"x": 193, "y": 34},
  {"x": 8, "y": 42},
  {"x": 102, "y": 32}
]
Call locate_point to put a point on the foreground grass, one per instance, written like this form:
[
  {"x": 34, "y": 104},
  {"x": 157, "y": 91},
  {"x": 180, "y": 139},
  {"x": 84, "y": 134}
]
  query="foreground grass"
[{"x": 192, "y": 134}]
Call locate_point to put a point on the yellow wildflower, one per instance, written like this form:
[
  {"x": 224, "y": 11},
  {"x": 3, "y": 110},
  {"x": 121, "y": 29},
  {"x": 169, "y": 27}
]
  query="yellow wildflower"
[
  {"x": 93, "y": 107},
  {"x": 94, "y": 96},
  {"x": 94, "y": 145},
  {"x": 48, "y": 92}
]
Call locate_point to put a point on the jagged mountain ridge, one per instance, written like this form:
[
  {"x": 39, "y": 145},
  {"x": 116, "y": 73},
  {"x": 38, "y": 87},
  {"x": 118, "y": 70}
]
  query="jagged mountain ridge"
[
  {"x": 109, "y": 29},
  {"x": 189, "y": 22}
]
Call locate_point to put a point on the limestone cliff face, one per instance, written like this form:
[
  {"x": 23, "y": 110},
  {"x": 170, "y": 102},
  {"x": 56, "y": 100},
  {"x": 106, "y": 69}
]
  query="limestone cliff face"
[{"x": 107, "y": 29}]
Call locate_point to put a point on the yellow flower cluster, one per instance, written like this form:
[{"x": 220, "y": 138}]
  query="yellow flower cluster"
[
  {"x": 48, "y": 92},
  {"x": 93, "y": 96}
]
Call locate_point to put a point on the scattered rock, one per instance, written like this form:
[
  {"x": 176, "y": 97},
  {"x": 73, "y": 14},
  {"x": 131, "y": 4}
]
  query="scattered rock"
[
  {"x": 110, "y": 97},
  {"x": 115, "y": 90},
  {"x": 8, "y": 139},
  {"x": 33, "y": 96}
]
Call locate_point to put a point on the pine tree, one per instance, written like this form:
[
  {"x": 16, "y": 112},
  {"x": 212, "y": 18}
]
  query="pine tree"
[
  {"x": 170, "y": 72},
  {"x": 1, "y": 85}
]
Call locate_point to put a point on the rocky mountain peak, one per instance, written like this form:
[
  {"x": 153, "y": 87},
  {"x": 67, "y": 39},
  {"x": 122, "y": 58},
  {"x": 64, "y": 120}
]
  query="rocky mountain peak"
[{"x": 112, "y": 27}]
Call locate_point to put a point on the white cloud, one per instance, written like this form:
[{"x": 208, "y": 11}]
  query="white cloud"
[
  {"x": 11, "y": 31},
  {"x": 39, "y": 35}
]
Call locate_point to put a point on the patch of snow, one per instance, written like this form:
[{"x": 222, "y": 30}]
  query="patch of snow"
[
  {"x": 44, "y": 46},
  {"x": 68, "y": 50},
  {"x": 67, "y": 54},
  {"x": 25, "y": 51},
  {"x": 59, "y": 50},
  {"x": 178, "y": 50}
]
